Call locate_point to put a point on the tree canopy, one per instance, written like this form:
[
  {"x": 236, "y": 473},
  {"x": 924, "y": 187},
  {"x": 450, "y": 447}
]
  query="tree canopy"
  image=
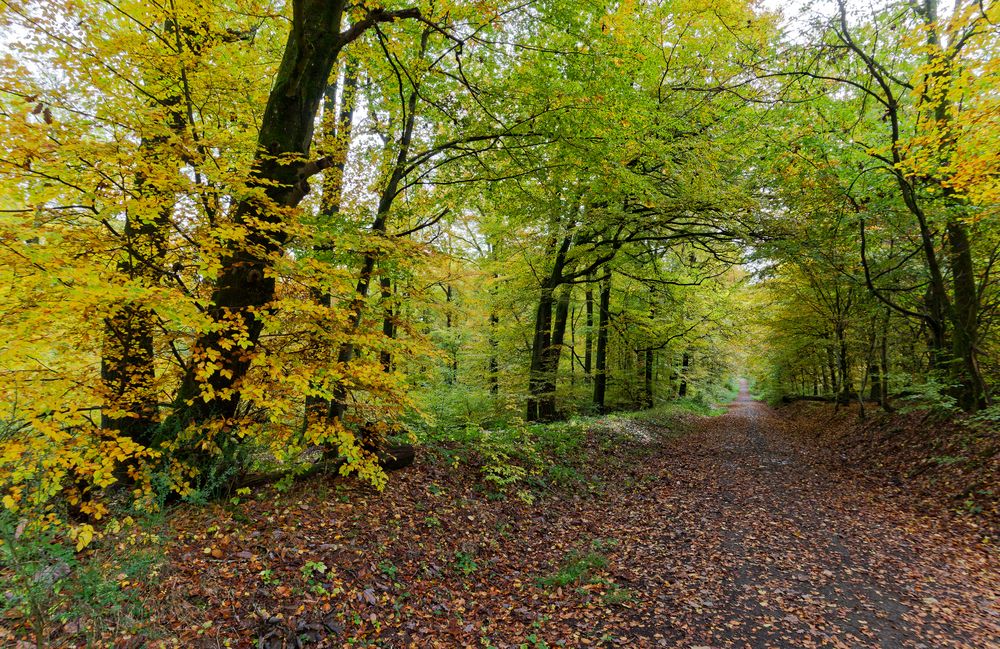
[{"x": 238, "y": 237}]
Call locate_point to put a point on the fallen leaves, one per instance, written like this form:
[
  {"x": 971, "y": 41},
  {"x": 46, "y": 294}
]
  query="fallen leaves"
[{"x": 730, "y": 536}]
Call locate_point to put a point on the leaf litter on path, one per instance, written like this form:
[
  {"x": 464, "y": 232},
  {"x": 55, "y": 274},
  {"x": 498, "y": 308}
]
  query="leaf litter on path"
[{"x": 728, "y": 536}]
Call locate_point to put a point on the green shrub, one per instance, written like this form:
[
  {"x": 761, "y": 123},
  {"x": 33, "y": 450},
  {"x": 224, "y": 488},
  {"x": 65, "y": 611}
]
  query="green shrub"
[
  {"x": 667, "y": 413},
  {"x": 933, "y": 395},
  {"x": 465, "y": 563},
  {"x": 576, "y": 570},
  {"x": 988, "y": 418}
]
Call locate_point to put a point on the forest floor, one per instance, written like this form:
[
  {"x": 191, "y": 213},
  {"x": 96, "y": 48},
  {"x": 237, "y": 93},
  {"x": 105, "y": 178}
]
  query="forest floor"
[{"x": 734, "y": 533}]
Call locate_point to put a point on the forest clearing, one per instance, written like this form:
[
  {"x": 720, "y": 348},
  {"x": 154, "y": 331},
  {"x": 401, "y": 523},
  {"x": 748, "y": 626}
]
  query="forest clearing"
[{"x": 464, "y": 323}]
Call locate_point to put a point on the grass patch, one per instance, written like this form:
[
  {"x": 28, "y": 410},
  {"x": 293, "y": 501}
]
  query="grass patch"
[
  {"x": 615, "y": 595},
  {"x": 51, "y": 588},
  {"x": 578, "y": 567},
  {"x": 518, "y": 458},
  {"x": 671, "y": 414}
]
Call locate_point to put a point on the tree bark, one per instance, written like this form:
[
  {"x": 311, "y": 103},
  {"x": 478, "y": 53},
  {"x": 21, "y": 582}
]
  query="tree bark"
[
  {"x": 453, "y": 364},
  {"x": 972, "y": 388},
  {"x": 647, "y": 392},
  {"x": 875, "y": 378},
  {"x": 843, "y": 361},
  {"x": 539, "y": 383},
  {"x": 338, "y": 127},
  {"x": 388, "y": 322},
  {"x": 540, "y": 342},
  {"x": 831, "y": 362},
  {"x": 572, "y": 348},
  {"x": 128, "y": 371},
  {"x": 494, "y": 369}
]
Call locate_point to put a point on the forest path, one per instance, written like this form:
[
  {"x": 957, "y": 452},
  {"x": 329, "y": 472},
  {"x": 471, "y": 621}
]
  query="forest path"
[
  {"x": 751, "y": 544},
  {"x": 697, "y": 532}
]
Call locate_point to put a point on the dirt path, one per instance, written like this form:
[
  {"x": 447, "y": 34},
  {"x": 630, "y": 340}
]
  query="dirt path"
[
  {"x": 731, "y": 535},
  {"x": 754, "y": 546}
]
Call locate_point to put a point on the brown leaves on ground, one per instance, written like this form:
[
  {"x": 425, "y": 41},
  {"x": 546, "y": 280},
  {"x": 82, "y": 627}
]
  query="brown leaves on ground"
[
  {"x": 942, "y": 464},
  {"x": 733, "y": 535}
]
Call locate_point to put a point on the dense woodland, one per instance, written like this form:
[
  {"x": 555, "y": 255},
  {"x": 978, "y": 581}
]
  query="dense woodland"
[{"x": 242, "y": 241}]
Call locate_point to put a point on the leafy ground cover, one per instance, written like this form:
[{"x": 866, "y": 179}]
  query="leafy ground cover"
[
  {"x": 954, "y": 470},
  {"x": 675, "y": 531}
]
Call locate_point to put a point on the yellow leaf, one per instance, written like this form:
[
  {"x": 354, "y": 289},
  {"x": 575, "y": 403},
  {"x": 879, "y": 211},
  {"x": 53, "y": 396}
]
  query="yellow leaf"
[{"x": 84, "y": 535}]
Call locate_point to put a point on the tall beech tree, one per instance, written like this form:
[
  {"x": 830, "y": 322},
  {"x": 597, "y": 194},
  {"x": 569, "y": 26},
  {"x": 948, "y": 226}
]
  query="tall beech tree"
[
  {"x": 128, "y": 367},
  {"x": 278, "y": 181}
]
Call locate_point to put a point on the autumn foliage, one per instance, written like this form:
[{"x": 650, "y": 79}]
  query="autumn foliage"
[{"x": 244, "y": 238}]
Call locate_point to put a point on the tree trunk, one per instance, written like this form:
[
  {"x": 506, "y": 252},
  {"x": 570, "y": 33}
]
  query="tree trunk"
[
  {"x": 388, "y": 322},
  {"x": 540, "y": 342},
  {"x": 648, "y": 379},
  {"x": 831, "y": 362},
  {"x": 588, "y": 297},
  {"x": 211, "y": 386},
  {"x": 844, "y": 362},
  {"x": 875, "y": 376},
  {"x": 494, "y": 342},
  {"x": 601, "y": 354},
  {"x": 572, "y": 348},
  {"x": 494, "y": 378},
  {"x": 862, "y": 413},
  {"x": 539, "y": 383},
  {"x": 338, "y": 127},
  {"x": 128, "y": 370},
  {"x": 682, "y": 389},
  {"x": 128, "y": 373},
  {"x": 884, "y": 363},
  {"x": 452, "y": 377},
  {"x": 551, "y": 357},
  {"x": 971, "y": 389},
  {"x": 964, "y": 309}
]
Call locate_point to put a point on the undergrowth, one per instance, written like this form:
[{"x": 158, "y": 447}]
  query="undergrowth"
[
  {"x": 950, "y": 463},
  {"x": 670, "y": 410},
  {"x": 49, "y": 586},
  {"x": 529, "y": 459}
]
